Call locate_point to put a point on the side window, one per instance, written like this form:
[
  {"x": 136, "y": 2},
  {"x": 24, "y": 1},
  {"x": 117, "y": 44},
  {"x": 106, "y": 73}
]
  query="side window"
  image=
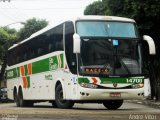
[
  {"x": 59, "y": 44},
  {"x": 70, "y": 56},
  {"x": 48, "y": 42},
  {"x": 25, "y": 56},
  {"x": 59, "y": 37},
  {"x": 55, "y": 41},
  {"x": 17, "y": 54},
  {"x": 51, "y": 42},
  {"x": 34, "y": 48},
  {"x": 10, "y": 59},
  {"x": 40, "y": 51},
  {"x": 38, "y": 46},
  {"x": 50, "y": 47},
  {"x": 14, "y": 56}
]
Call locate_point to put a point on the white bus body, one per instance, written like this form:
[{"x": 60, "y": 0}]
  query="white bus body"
[{"x": 45, "y": 68}]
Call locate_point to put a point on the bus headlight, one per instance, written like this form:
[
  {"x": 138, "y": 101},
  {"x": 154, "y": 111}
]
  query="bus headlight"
[
  {"x": 139, "y": 85},
  {"x": 88, "y": 85}
]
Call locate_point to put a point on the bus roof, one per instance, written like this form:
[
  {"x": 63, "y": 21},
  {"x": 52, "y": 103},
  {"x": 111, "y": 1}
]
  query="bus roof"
[
  {"x": 109, "y": 18},
  {"x": 86, "y": 17}
]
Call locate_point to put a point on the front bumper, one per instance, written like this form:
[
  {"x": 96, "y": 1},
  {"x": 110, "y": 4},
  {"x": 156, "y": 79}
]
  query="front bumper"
[{"x": 105, "y": 94}]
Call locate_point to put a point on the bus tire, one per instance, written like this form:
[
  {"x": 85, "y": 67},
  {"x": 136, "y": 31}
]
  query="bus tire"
[
  {"x": 54, "y": 105},
  {"x": 29, "y": 103},
  {"x": 20, "y": 99},
  {"x": 15, "y": 97},
  {"x": 112, "y": 104},
  {"x": 64, "y": 104}
]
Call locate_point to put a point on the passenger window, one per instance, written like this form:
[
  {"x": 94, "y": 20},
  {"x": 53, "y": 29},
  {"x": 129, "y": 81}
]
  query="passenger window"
[
  {"x": 59, "y": 45},
  {"x": 40, "y": 51},
  {"x": 50, "y": 47}
]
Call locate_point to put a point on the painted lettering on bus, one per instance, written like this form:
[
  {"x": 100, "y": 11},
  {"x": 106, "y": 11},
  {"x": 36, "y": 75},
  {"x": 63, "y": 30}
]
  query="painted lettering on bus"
[
  {"x": 10, "y": 74},
  {"x": 48, "y": 77},
  {"x": 134, "y": 80},
  {"x": 52, "y": 64},
  {"x": 95, "y": 70}
]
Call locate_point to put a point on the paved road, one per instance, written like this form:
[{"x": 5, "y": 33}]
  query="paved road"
[{"x": 44, "y": 111}]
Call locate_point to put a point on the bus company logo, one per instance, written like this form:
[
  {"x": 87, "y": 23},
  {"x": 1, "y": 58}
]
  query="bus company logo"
[
  {"x": 10, "y": 74},
  {"x": 115, "y": 85},
  {"x": 52, "y": 64},
  {"x": 48, "y": 77}
]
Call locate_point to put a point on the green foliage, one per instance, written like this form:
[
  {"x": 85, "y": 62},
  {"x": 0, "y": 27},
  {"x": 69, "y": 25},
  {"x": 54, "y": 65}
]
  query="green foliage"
[
  {"x": 7, "y": 37},
  {"x": 31, "y": 26},
  {"x": 113, "y": 7},
  {"x": 96, "y": 8},
  {"x": 147, "y": 15}
]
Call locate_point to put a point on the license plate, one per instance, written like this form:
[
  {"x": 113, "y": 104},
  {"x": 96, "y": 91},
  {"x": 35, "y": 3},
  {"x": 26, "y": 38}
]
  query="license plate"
[{"x": 115, "y": 94}]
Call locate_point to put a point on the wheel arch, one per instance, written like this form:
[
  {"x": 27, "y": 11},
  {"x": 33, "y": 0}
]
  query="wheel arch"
[
  {"x": 15, "y": 91},
  {"x": 20, "y": 88},
  {"x": 60, "y": 82}
]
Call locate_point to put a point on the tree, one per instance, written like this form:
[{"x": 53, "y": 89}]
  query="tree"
[
  {"x": 96, "y": 8},
  {"x": 7, "y": 38},
  {"x": 31, "y": 26},
  {"x": 147, "y": 15}
]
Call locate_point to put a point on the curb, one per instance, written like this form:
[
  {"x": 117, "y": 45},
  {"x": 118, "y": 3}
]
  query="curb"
[{"x": 151, "y": 103}]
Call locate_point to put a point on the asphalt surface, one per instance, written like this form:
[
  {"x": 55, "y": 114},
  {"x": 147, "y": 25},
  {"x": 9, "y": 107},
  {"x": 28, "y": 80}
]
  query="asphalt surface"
[{"x": 44, "y": 111}]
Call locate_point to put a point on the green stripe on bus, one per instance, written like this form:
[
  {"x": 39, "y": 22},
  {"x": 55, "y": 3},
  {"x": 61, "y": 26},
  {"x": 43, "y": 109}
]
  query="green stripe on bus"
[
  {"x": 44, "y": 65},
  {"x": 28, "y": 81},
  {"x": 40, "y": 66},
  {"x": 53, "y": 63},
  {"x": 12, "y": 73},
  {"x": 62, "y": 63},
  {"x": 122, "y": 80},
  {"x": 26, "y": 70},
  {"x": 83, "y": 80},
  {"x": 125, "y": 80},
  {"x": 18, "y": 71}
]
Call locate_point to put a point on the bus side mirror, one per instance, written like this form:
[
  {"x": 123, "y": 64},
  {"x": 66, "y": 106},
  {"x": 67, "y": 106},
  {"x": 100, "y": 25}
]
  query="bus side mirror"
[
  {"x": 152, "y": 48},
  {"x": 76, "y": 43}
]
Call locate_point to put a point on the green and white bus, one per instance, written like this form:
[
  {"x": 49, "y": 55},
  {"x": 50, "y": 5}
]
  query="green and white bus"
[{"x": 91, "y": 59}]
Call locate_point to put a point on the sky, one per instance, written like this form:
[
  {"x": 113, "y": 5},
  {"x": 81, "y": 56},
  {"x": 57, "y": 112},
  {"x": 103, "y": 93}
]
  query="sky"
[{"x": 52, "y": 10}]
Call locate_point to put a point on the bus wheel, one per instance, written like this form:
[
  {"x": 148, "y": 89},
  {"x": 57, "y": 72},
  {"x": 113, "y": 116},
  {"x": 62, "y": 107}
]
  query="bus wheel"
[
  {"x": 54, "y": 104},
  {"x": 64, "y": 104},
  {"x": 16, "y": 98},
  {"x": 20, "y": 100},
  {"x": 28, "y": 103},
  {"x": 113, "y": 104}
]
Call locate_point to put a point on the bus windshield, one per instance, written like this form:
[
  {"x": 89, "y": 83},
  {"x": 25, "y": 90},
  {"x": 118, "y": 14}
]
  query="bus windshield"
[
  {"x": 106, "y": 29},
  {"x": 106, "y": 53}
]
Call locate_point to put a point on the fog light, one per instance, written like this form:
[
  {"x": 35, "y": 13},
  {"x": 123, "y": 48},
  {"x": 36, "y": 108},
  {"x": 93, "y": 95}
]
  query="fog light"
[{"x": 140, "y": 85}]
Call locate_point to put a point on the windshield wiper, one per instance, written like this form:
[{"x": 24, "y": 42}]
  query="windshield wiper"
[
  {"x": 118, "y": 62},
  {"x": 124, "y": 65}
]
